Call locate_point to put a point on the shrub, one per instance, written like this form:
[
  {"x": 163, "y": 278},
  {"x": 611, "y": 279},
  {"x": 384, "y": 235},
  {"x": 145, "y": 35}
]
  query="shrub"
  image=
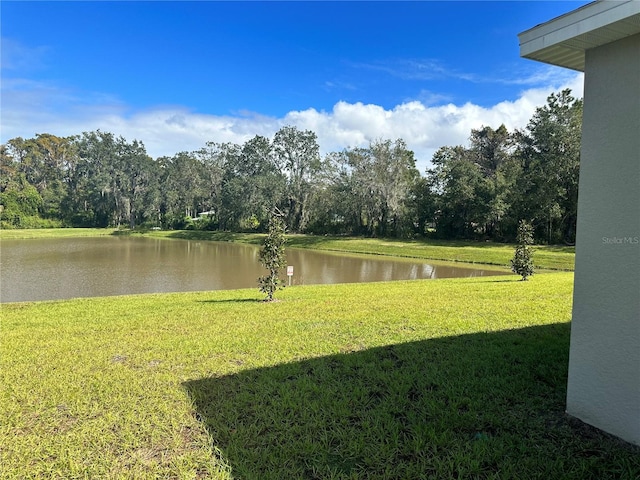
[
  {"x": 272, "y": 257},
  {"x": 522, "y": 261}
]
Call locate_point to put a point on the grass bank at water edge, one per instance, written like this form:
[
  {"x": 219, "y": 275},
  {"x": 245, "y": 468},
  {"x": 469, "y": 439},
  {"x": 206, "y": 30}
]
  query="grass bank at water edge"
[
  {"x": 552, "y": 257},
  {"x": 442, "y": 379},
  {"x": 26, "y": 233}
]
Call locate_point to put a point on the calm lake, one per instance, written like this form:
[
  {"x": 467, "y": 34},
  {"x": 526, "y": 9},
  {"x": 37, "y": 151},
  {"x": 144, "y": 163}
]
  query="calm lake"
[{"x": 50, "y": 269}]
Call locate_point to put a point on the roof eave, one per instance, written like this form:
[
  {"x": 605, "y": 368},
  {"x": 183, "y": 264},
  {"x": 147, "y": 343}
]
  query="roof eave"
[{"x": 563, "y": 41}]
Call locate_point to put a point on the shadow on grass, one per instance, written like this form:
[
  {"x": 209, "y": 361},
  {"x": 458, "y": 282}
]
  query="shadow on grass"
[
  {"x": 204, "y": 235},
  {"x": 307, "y": 241},
  {"x": 234, "y": 300},
  {"x": 310, "y": 241},
  {"x": 512, "y": 278},
  {"x": 475, "y": 406},
  {"x": 128, "y": 233}
]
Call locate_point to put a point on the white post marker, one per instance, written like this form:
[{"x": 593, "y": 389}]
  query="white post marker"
[{"x": 290, "y": 273}]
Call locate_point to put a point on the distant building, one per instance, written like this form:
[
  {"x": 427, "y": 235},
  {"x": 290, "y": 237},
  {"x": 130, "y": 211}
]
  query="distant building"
[{"x": 204, "y": 215}]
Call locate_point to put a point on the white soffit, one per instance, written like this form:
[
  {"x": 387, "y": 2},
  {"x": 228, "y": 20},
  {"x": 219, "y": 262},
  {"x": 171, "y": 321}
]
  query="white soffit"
[{"x": 564, "y": 40}]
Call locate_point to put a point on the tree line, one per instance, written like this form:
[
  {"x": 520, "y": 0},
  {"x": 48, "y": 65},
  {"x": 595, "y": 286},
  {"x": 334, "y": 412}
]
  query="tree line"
[{"x": 476, "y": 191}]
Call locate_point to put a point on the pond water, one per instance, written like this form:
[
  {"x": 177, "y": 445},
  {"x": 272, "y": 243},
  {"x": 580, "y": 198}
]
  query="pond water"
[{"x": 50, "y": 269}]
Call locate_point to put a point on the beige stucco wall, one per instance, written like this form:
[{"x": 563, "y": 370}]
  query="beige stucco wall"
[{"x": 604, "y": 364}]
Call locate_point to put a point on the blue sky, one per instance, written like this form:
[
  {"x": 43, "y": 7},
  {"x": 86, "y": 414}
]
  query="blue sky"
[{"x": 176, "y": 75}]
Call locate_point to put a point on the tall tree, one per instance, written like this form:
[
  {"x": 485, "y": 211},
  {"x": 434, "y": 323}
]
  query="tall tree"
[
  {"x": 184, "y": 189},
  {"x": 20, "y": 203},
  {"x": 492, "y": 151},
  {"x": 461, "y": 192},
  {"x": 336, "y": 208},
  {"x": 216, "y": 159},
  {"x": 490, "y": 148},
  {"x": 298, "y": 154},
  {"x": 549, "y": 152},
  {"x": 8, "y": 168},
  {"x": 252, "y": 185},
  {"x": 111, "y": 182},
  {"x": 137, "y": 184},
  {"x": 92, "y": 199},
  {"x": 374, "y": 188},
  {"x": 264, "y": 182},
  {"x": 45, "y": 161},
  {"x": 395, "y": 173},
  {"x": 422, "y": 207}
]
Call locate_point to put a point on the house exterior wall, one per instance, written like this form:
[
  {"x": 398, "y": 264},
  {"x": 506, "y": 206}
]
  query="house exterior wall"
[{"x": 604, "y": 363}]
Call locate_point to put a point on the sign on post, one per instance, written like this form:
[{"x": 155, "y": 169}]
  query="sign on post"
[{"x": 290, "y": 273}]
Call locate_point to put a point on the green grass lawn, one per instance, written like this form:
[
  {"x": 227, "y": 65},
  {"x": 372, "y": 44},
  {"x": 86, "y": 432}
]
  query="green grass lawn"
[
  {"x": 461, "y": 378},
  {"x": 25, "y": 233}
]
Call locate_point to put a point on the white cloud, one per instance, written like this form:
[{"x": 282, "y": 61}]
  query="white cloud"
[
  {"x": 18, "y": 56},
  {"x": 424, "y": 128},
  {"x": 537, "y": 75},
  {"x": 429, "y": 69},
  {"x": 29, "y": 108}
]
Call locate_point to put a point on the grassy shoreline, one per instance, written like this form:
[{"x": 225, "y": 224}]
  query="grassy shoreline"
[
  {"x": 546, "y": 257},
  {"x": 456, "y": 378}
]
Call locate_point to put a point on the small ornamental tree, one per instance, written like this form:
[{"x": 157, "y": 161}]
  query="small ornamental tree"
[
  {"x": 522, "y": 261},
  {"x": 272, "y": 257}
]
